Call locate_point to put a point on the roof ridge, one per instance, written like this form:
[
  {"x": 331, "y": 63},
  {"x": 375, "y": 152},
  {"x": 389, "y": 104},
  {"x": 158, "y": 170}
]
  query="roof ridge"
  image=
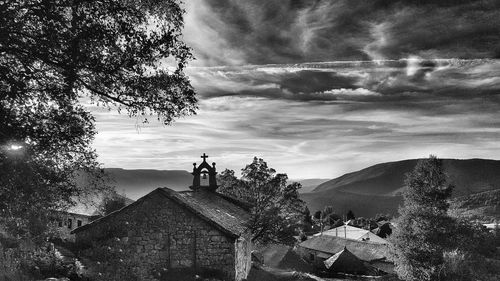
[{"x": 106, "y": 217}]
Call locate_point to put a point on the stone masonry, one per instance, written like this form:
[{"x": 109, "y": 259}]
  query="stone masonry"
[{"x": 159, "y": 233}]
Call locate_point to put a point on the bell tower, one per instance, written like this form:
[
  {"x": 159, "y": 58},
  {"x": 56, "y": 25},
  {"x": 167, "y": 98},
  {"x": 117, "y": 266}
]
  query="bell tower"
[{"x": 201, "y": 172}]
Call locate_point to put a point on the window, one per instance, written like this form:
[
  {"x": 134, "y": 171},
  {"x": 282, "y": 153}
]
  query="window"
[
  {"x": 78, "y": 223},
  {"x": 60, "y": 224},
  {"x": 70, "y": 223},
  {"x": 311, "y": 257}
]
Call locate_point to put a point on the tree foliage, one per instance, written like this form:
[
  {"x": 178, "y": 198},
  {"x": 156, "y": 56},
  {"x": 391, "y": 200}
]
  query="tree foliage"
[
  {"x": 424, "y": 229},
  {"x": 54, "y": 54},
  {"x": 350, "y": 215},
  {"x": 277, "y": 212},
  {"x": 428, "y": 243},
  {"x": 112, "y": 202}
]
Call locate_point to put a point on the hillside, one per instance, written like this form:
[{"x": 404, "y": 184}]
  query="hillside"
[
  {"x": 377, "y": 188},
  {"x": 484, "y": 206},
  {"x": 308, "y": 185},
  {"x": 137, "y": 183}
]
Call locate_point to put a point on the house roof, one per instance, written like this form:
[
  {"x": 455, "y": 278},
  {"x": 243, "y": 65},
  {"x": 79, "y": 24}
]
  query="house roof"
[
  {"x": 90, "y": 209},
  {"x": 213, "y": 207},
  {"x": 283, "y": 257},
  {"x": 345, "y": 261},
  {"x": 366, "y": 251},
  {"x": 210, "y": 206},
  {"x": 354, "y": 233}
]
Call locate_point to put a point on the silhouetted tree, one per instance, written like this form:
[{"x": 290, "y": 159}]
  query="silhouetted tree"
[
  {"x": 350, "y": 215},
  {"x": 55, "y": 54},
  {"x": 307, "y": 221},
  {"x": 277, "y": 211},
  {"x": 317, "y": 215}
]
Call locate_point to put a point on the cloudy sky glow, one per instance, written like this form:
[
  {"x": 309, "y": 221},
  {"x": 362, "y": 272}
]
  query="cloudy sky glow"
[{"x": 320, "y": 88}]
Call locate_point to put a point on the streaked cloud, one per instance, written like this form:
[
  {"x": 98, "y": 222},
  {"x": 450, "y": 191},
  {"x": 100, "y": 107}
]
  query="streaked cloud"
[
  {"x": 240, "y": 32},
  {"x": 320, "y": 88}
]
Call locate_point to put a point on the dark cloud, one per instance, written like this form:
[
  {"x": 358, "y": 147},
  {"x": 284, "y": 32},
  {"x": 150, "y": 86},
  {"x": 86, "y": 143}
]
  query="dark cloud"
[
  {"x": 277, "y": 31},
  {"x": 413, "y": 83}
]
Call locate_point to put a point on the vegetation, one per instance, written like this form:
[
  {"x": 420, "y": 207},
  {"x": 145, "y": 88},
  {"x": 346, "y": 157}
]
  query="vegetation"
[
  {"x": 112, "y": 202},
  {"x": 350, "y": 215},
  {"x": 424, "y": 227},
  {"x": 54, "y": 55},
  {"x": 428, "y": 243},
  {"x": 481, "y": 206},
  {"x": 277, "y": 211}
]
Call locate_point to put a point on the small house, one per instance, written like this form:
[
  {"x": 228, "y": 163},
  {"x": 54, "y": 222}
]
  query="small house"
[
  {"x": 195, "y": 229},
  {"x": 353, "y": 233}
]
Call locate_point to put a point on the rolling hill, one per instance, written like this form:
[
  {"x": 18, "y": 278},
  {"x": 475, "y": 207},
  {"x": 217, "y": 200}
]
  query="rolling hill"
[
  {"x": 137, "y": 183},
  {"x": 377, "y": 189},
  {"x": 308, "y": 185}
]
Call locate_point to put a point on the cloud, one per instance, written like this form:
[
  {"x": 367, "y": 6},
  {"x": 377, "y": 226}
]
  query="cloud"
[
  {"x": 359, "y": 92},
  {"x": 241, "y": 32},
  {"x": 320, "y": 88},
  {"x": 414, "y": 83},
  {"x": 467, "y": 29},
  {"x": 300, "y": 138}
]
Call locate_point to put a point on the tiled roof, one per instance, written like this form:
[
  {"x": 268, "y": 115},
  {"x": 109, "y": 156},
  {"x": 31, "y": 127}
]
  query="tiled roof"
[
  {"x": 366, "y": 251},
  {"x": 214, "y": 208},
  {"x": 354, "y": 233},
  {"x": 343, "y": 258},
  {"x": 210, "y": 206}
]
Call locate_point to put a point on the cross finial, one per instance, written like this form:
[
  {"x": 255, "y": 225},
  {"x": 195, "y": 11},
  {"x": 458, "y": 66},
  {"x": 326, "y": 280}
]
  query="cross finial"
[{"x": 204, "y": 156}]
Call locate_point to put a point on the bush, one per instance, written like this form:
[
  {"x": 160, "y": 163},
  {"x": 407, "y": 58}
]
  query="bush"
[{"x": 43, "y": 263}]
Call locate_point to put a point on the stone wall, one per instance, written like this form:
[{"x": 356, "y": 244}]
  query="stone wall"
[
  {"x": 243, "y": 250},
  {"x": 158, "y": 234},
  {"x": 65, "y": 222}
]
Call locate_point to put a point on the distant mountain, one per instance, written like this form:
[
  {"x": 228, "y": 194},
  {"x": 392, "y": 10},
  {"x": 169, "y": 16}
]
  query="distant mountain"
[
  {"x": 377, "y": 189},
  {"x": 308, "y": 184},
  {"x": 137, "y": 183}
]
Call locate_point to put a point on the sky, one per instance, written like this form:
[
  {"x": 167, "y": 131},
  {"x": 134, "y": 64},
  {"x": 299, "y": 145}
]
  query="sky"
[{"x": 319, "y": 88}]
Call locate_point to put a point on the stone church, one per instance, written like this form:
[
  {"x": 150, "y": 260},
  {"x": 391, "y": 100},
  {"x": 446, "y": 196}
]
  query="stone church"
[{"x": 196, "y": 229}]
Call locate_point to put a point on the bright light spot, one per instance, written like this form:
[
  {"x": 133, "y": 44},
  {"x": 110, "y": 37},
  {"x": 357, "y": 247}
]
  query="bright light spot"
[
  {"x": 413, "y": 65},
  {"x": 15, "y": 147}
]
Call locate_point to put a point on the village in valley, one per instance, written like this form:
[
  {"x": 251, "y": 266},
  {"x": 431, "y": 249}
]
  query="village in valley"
[
  {"x": 238, "y": 140},
  {"x": 206, "y": 232}
]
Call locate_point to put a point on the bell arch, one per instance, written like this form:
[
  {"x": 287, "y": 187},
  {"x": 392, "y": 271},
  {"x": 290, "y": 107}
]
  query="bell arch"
[{"x": 203, "y": 172}]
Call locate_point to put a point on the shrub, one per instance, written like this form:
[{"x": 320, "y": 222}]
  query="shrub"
[{"x": 43, "y": 263}]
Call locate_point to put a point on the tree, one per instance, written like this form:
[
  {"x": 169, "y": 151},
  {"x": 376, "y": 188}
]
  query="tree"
[
  {"x": 317, "y": 215},
  {"x": 55, "y": 54},
  {"x": 328, "y": 217},
  {"x": 277, "y": 211},
  {"x": 112, "y": 202},
  {"x": 350, "y": 215},
  {"x": 424, "y": 229},
  {"x": 307, "y": 220}
]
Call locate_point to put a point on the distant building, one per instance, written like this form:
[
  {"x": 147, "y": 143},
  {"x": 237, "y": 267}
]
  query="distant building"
[
  {"x": 383, "y": 230},
  {"x": 79, "y": 215},
  {"x": 65, "y": 222},
  {"x": 319, "y": 249},
  {"x": 346, "y": 262},
  {"x": 197, "y": 229},
  {"x": 283, "y": 257},
  {"x": 353, "y": 233}
]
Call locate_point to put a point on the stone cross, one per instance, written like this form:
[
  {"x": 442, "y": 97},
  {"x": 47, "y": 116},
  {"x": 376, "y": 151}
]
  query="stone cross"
[{"x": 204, "y": 157}]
